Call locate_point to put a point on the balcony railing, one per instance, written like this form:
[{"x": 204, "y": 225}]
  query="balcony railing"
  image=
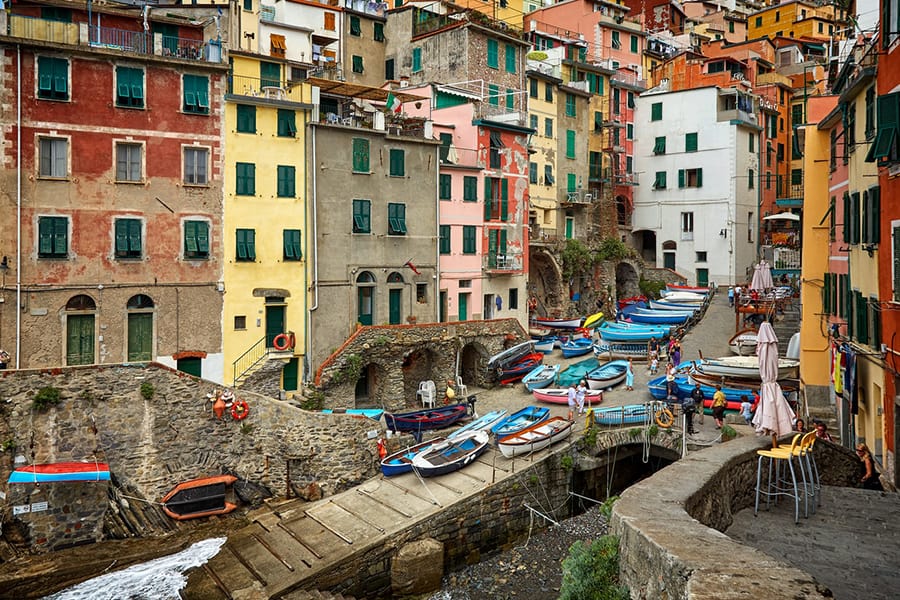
[
  {"x": 110, "y": 38},
  {"x": 789, "y": 187},
  {"x": 427, "y": 22},
  {"x": 269, "y": 89},
  {"x": 581, "y": 196},
  {"x": 502, "y": 262}
]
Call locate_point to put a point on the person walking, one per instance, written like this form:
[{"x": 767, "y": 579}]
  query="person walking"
[
  {"x": 697, "y": 396},
  {"x": 629, "y": 377},
  {"x": 870, "y": 479},
  {"x": 718, "y": 406},
  {"x": 571, "y": 397},
  {"x": 676, "y": 353},
  {"x": 580, "y": 391},
  {"x": 746, "y": 409}
]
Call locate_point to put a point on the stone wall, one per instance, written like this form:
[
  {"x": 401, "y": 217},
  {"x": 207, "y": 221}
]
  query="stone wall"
[{"x": 153, "y": 444}]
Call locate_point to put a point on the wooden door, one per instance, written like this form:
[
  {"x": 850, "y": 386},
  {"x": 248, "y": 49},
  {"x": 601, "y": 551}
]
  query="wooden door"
[
  {"x": 80, "y": 339},
  {"x": 140, "y": 337}
]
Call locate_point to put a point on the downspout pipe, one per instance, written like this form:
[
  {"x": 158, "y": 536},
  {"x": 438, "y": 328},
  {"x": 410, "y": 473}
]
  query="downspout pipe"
[
  {"x": 315, "y": 233},
  {"x": 18, "y": 205}
]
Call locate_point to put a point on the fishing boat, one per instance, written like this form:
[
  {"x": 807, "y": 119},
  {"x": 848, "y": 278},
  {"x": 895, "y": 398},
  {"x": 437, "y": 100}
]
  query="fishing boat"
[
  {"x": 684, "y": 297},
  {"x": 421, "y": 420},
  {"x": 484, "y": 422},
  {"x": 630, "y": 414},
  {"x": 534, "y": 438},
  {"x": 538, "y": 331},
  {"x": 606, "y": 350},
  {"x": 607, "y": 375},
  {"x": 540, "y": 377},
  {"x": 203, "y": 497},
  {"x": 557, "y": 323},
  {"x": 746, "y": 367},
  {"x": 685, "y": 386},
  {"x": 743, "y": 343},
  {"x": 660, "y": 317},
  {"x": 572, "y": 374},
  {"x": 561, "y": 396},
  {"x": 515, "y": 371},
  {"x": 677, "y": 287},
  {"x": 510, "y": 355},
  {"x": 652, "y": 311},
  {"x": 371, "y": 413},
  {"x": 592, "y": 320},
  {"x": 663, "y": 305},
  {"x": 545, "y": 345},
  {"x": 401, "y": 462},
  {"x": 519, "y": 420},
  {"x": 451, "y": 455},
  {"x": 612, "y": 334},
  {"x": 577, "y": 347},
  {"x": 623, "y": 302},
  {"x": 61, "y": 472}
]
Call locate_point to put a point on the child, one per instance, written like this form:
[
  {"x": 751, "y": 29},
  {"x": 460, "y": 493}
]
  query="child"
[
  {"x": 629, "y": 377},
  {"x": 746, "y": 409},
  {"x": 654, "y": 365}
]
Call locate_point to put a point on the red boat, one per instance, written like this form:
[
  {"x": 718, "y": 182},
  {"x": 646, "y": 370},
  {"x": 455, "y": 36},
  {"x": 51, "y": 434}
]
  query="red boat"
[
  {"x": 519, "y": 369},
  {"x": 623, "y": 302},
  {"x": 203, "y": 497},
  {"x": 60, "y": 472},
  {"x": 675, "y": 287}
]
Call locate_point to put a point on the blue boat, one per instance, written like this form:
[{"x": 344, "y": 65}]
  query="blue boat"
[
  {"x": 61, "y": 472},
  {"x": 372, "y": 413},
  {"x": 481, "y": 423},
  {"x": 661, "y": 317},
  {"x": 630, "y": 414},
  {"x": 540, "y": 377},
  {"x": 663, "y": 305},
  {"x": 520, "y": 419},
  {"x": 577, "y": 347},
  {"x": 401, "y": 462},
  {"x": 572, "y": 374},
  {"x": 545, "y": 345},
  {"x": 451, "y": 455},
  {"x": 624, "y": 335},
  {"x": 607, "y": 375},
  {"x": 657, "y": 388}
]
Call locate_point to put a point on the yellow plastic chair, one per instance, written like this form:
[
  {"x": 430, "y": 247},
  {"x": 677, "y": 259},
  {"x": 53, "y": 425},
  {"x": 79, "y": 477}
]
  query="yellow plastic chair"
[{"x": 778, "y": 484}]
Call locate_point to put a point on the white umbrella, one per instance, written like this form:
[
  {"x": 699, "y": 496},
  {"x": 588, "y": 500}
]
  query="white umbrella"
[
  {"x": 773, "y": 415},
  {"x": 762, "y": 277},
  {"x": 782, "y": 216}
]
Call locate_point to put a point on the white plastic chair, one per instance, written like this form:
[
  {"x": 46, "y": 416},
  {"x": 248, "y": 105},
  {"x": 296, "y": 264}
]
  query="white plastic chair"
[
  {"x": 462, "y": 392},
  {"x": 427, "y": 393}
]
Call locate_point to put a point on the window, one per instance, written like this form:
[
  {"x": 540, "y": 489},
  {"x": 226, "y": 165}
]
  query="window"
[
  {"x": 571, "y": 182},
  {"x": 196, "y": 239},
  {"x": 470, "y": 189},
  {"x": 397, "y": 162},
  {"x": 360, "y": 155},
  {"x": 248, "y": 4},
  {"x": 548, "y": 127},
  {"x": 656, "y": 111},
  {"x": 548, "y": 175},
  {"x": 629, "y": 99},
  {"x": 659, "y": 183},
  {"x": 496, "y": 199},
  {"x": 687, "y": 226},
  {"x": 570, "y": 143},
  {"x": 532, "y": 173},
  {"x": 286, "y": 181},
  {"x": 759, "y": 21},
  {"x": 493, "y": 52},
  {"x": 195, "y": 165},
  {"x": 659, "y": 146},
  {"x": 701, "y": 257},
  {"x": 570, "y": 105},
  {"x": 53, "y": 159},
  {"x": 493, "y": 94},
  {"x": 329, "y": 21},
  {"x": 196, "y": 94},
  {"x": 291, "y": 239},
  {"x": 355, "y": 29},
  {"x": 240, "y": 322},
  {"x": 246, "y": 179},
  {"x": 533, "y": 88},
  {"x": 777, "y": 16},
  {"x": 422, "y": 293},
  {"x": 629, "y": 163},
  {"x": 797, "y": 115},
  {"x": 751, "y": 176},
  {"x": 533, "y": 121},
  {"x": 246, "y": 118},
  {"x": 616, "y": 43},
  {"x": 717, "y": 66},
  {"x": 510, "y": 58},
  {"x": 129, "y": 87},
  {"x": 871, "y": 216},
  {"x": 357, "y": 63},
  {"x": 886, "y": 147},
  {"x": 389, "y": 68},
  {"x": 750, "y": 226},
  {"x": 128, "y": 162},
  {"x": 510, "y": 99},
  {"x": 598, "y": 120},
  {"x": 277, "y": 45},
  {"x": 378, "y": 31},
  {"x": 444, "y": 183},
  {"x": 246, "y": 245},
  {"x": 895, "y": 229},
  {"x": 416, "y": 60},
  {"x": 53, "y": 237},
  {"x": 513, "y": 298},
  {"x": 468, "y": 239},
  {"x": 548, "y": 92},
  {"x": 690, "y": 178},
  {"x": 362, "y": 222},
  {"x": 634, "y": 44},
  {"x": 796, "y": 176},
  {"x": 752, "y": 143},
  {"x": 396, "y": 219},
  {"x": 128, "y": 238},
  {"x": 870, "y": 113},
  {"x": 690, "y": 142},
  {"x": 444, "y": 239},
  {"x": 53, "y": 78},
  {"x": 287, "y": 123}
]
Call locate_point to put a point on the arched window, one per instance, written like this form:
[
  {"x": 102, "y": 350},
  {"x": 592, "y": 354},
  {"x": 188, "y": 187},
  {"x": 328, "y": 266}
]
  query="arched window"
[
  {"x": 395, "y": 277},
  {"x": 365, "y": 297},
  {"x": 140, "y": 328},
  {"x": 140, "y": 301},
  {"x": 80, "y": 332},
  {"x": 81, "y": 302}
]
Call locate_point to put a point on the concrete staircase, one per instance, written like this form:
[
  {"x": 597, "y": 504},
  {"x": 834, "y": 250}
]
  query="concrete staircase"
[{"x": 265, "y": 376}]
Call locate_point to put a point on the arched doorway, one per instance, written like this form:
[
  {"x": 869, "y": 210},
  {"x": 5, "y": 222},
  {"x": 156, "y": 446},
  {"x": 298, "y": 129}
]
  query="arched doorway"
[
  {"x": 367, "y": 393},
  {"x": 472, "y": 360},
  {"x": 395, "y": 298},
  {"x": 627, "y": 280},
  {"x": 80, "y": 315},
  {"x": 140, "y": 328},
  {"x": 418, "y": 366},
  {"x": 669, "y": 248},
  {"x": 365, "y": 298},
  {"x": 544, "y": 282}
]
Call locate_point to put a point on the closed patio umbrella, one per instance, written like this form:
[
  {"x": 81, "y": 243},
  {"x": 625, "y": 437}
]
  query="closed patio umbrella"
[{"x": 774, "y": 415}]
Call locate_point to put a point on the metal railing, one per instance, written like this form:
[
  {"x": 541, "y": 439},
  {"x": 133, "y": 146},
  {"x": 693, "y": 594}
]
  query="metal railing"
[
  {"x": 249, "y": 359},
  {"x": 502, "y": 262},
  {"x": 271, "y": 89}
]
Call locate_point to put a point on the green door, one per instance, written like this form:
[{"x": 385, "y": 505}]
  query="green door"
[
  {"x": 140, "y": 337},
  {"x": 570, "y": 227},
  {"x": 492, "y": 248},
  {"x": 442, "y": 307},
  {"x": 289, "y": 375},
  {"x": 702, "y": 277},
  {"x": 463, "y": 307},
  {"x": 191, "y": 366},
  {"x": 394, "y": 306},
  {"x": 169, "y": 35},
  {"x": 364, "y": 305},
  {"x": 274, "y": 323},
  {"x": 269, "y": 74},
  {"x": 669, "y": 260},
  {"x": 80, "y": 340}
]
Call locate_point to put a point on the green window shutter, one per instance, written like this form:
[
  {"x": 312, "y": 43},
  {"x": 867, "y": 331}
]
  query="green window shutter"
[
  {"x": 571, "y": 182},
  {"x": 854, "y": 218},
  {"x": 656, "y": 110},
  {"x": 488, "y": 198},
  {"x": 532, "y": 173},
  {"x": 598, "y": 120},
  {"x": 292, "y": 249},
  {"x": 286, "y": 181},
  {"x": 360, "y": 155},
  {"x": 444, "y": 183},
  {"x": 396, "y": 219},
  {"x": 510, "y": 58},
  {"x": 246, "y": 118},
  {"x": 246, "y": 179},
  {"x": 548, "y": 127},
  {"x": 53, "y": 78},
  {"x": 571, "y": 110},
  {"x": 634, "y": 43},
  {"x": 826, "y": 297},
  {"x": 246, "y": 244},
  {"x": 445, "y": 239},
  {"x": 397, "y": 162},
  {"x": 416, "y": 60},
  {"x": 196, "y": 94},
  {"x": 287, "y": 123},
  {"x": 357, "y": 64},
  {"x": 690, "y": 142},
  {"x": 492, "y": 248},
  {"x": 378, "y": 31},
  {"x": 659, "y": 146},
  {"x": 493, "y": 59},
  {"x": 681, "y": 178},
  {"x": 699, "y": 177},
  {"x": 845, "y": 229},
  {"x": 469, "y": 244},
  {"x": 874, "y": 322},
  {"x": 660, "y": 183},
  {"x": 355, "y": 28},
  {"x": 896, "y": 255},
  {"x": 128, "y": 238},
  {"x": 548, "y": 92},
  {"x": 874, "y": 214},
  {"x": 885, "y": 146},
  {"x": 570, "y": 143},
  {"x": 510, "y": 99},
  {"x": 864, "y": 218},
  {"x": 196, "y": 239},
  {"x": 470, "y": 189},
  {"x": 501, "y": 245},
  {"x": 54, "y": 237},
  {"x": 548, "y": 175},
  {"x": 616, "y": 43},
  {"x": 129, "y": 87},
  {"x": 493, "y": 94},
  {"x": 533, "y": 122},
  {"x": 504, "y": 200},
  {"x": 269, "y": 74},
  {"x": 362, "y": 216}
]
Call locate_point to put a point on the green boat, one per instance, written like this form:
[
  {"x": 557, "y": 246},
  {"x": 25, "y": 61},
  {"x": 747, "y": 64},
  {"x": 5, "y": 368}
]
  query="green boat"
[{"x": 576, "y": 372}]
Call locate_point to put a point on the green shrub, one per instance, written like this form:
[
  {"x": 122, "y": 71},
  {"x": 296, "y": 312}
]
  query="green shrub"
[
  {"x": 314, "y": 401},
  {"x": 567, "y": 462},
  {"x": 651, "y": 288},
  {"x": 607, "y": 505},
  {"x": 8, "y": 444},
  {"x": 576, "y": 258},
  {"x": 147, "y": 390},
  {"x": 591, "y": 571},
  {"x": 728, "y": 433},
  {"x": 46, "y": 397},
  {"x": 613, "y": 249}
]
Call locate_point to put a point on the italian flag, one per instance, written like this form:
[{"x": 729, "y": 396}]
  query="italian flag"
[{"x": 393, "y": 103}]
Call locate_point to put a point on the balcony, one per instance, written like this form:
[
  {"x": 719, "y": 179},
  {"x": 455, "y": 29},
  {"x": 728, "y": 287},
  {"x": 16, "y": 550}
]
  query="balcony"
[
  {"x": 789, "y": 190},
  {"x": 264, "y": 89},
  {"x": 109, "y": 38},
  {"x": 502, "y": 263},
  {"x": 581, "y": 196}
]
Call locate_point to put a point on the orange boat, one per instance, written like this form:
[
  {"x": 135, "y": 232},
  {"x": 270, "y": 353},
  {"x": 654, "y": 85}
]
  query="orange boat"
[{"x": 203, "y": 497}]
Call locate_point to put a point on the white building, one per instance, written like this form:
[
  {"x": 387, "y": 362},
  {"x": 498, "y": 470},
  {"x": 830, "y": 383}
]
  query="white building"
[{"x": 695, "y": 210}]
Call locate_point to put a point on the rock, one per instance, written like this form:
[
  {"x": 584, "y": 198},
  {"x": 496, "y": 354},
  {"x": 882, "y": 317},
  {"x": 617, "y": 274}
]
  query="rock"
[{"x": 418, "y": 567}]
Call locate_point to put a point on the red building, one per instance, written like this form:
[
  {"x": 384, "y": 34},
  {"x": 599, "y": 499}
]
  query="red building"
[{"x": 110, "y": 185}]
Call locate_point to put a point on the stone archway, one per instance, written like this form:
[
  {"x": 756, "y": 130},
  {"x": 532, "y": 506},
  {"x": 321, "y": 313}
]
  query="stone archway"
[
  {"x": 545, "y": 282},
  {"x": 369, "y": 389},
  {"x": 645, "y": 242},
  {"x": 472, "y": 360},
  {"x": 627, "y": 280},
  {"x": 418, "y": 365}
]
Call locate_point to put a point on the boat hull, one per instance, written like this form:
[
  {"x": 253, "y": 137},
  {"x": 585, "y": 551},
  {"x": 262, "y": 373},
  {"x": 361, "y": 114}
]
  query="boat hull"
[
  {"x": 451, "y": 455},
  {"x": 62, "y": 472},
  {"x": 561, "y": 396},
  {"x": 609, "y": 375},
  {"x": 401, "y": 462},
  {"x": 540, "y": 377},
  {"x": 519, "y": 420},
  {"x": 668, "y": 319},
  {"x": 534, "y": 438},
  {"x": 421, "y": 420},
  {"x": 576, "y": 347},
  {"x": 482, "y": 423},
  {"x": 575, "y": 373},
  {"x": 745, "y": 367},
  {"x": 558, "y": 323},
  {"x": 545, "y": 346},
  {"x": 630, "y": 414},
  {"x": 197, "y": 498}
]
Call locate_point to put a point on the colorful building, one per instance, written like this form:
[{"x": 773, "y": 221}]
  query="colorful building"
[{"x": 798, "y": 19}]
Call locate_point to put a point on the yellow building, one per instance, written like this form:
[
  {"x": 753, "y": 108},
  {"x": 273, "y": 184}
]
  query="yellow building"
[
  {"x": 265, "y": 225},
  {"x": 797, "y": 19},
  {"x": 543, "y": 89}
]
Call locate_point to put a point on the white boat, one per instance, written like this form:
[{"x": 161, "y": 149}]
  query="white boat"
[
  {"x": 684, "y": 297},
  {"x": 746, "y": 367},
  {"x": 664, "y": 305},
  {"x": 743, "y": 343},
  {"x": 510, "y": 354},
  {"x": 534, "y": 438}
]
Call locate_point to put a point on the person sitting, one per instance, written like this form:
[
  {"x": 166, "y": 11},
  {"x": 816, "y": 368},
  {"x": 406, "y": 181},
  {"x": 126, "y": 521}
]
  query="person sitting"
[
  {"x": 449, "y": 393},
  {"x": 870, "y": 479},
  {"x": 822, "y": 431},
  {"x": 746, "y": 409},
  {"x": 799, "y": 426}
]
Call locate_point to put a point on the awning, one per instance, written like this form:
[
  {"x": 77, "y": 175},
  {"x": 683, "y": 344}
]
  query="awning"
[{"x": 782, "y": 216}]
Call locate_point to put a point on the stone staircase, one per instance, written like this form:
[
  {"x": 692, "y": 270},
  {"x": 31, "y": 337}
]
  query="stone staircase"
[{"x": 265, "y": 376}]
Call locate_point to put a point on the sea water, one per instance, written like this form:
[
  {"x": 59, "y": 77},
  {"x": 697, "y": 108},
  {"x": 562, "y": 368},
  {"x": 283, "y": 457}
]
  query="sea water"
[{"x": 158, "y": 579}]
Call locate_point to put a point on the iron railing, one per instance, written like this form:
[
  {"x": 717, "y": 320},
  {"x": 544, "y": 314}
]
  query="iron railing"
[{"x": 249, "y": 359}]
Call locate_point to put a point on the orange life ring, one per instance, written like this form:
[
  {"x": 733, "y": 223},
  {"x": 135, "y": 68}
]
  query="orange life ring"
[
  {"x": 281, "y": 342},
  {"x": 239, "y": 410}
]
